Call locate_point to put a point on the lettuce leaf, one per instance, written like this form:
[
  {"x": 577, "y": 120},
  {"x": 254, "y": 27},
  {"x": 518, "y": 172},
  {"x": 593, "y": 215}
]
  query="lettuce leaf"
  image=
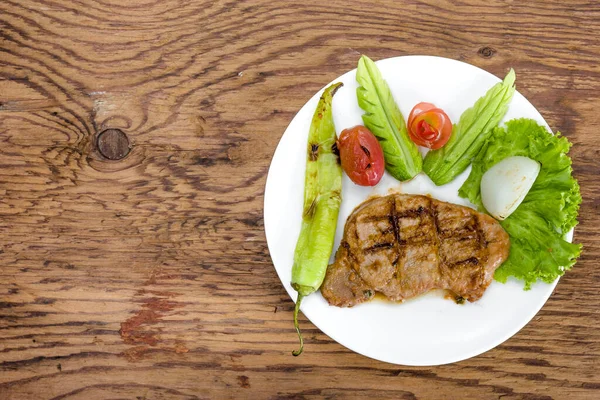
[
  {"x": 383, "y": 117},
  {"x": 536, "y": 251},
  {"x": 537, "y": 228},
  {"x": 470, "y": 133}
]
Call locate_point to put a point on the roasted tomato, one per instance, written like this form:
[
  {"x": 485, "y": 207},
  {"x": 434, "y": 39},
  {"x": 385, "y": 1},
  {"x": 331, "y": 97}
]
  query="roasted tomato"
[
  {"x": 429, "y": 126},
  {"x": 361, "y": 156}
]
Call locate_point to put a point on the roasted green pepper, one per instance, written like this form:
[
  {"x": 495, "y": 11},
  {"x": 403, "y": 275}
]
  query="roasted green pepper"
[{"x": 322, "y": 199}]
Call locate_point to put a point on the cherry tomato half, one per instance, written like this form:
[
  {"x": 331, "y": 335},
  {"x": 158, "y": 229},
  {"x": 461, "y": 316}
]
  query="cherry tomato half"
[
  {"x": 429, "y": 126},
  {"x": 361, "y": 156}
]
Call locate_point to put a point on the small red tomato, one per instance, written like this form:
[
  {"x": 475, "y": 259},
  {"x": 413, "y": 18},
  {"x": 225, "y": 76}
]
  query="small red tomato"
[
  {"x": 429, "y": 126},
  {"x": 361, "y": 156}
]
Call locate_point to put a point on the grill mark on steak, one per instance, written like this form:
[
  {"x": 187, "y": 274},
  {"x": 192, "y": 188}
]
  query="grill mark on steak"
[
  {"x": 394, "y": 220},
  {"x": 350, "y": 255},
  {"x": 414, "y": 213},
  {"x": 483, "y": 245},
  {"x": 379, "y": 246},
  {"x": 404, "y": 245},
  {"x": 481, "y": 240},
  {"x": 470, "y": 260},
  {"x": 396, "y": 229},
  {"x": 436, "y": 225}
]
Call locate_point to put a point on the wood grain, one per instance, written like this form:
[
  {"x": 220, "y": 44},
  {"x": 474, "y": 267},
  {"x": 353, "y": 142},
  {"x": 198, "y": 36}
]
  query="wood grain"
[{"x": 149, "y": 277}]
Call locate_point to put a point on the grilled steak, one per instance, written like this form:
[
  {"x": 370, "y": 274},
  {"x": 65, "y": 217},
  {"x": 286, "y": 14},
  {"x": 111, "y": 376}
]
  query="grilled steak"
[{"x": 405, "y": 245}]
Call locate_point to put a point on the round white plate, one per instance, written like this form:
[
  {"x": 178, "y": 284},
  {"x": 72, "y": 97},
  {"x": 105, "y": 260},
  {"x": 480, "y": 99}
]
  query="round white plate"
[{"x": 428, "y": 330}]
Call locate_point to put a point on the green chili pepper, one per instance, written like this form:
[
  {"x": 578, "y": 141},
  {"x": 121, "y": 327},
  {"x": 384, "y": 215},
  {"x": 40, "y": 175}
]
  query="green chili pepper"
[{"x": 322, "y": 198}]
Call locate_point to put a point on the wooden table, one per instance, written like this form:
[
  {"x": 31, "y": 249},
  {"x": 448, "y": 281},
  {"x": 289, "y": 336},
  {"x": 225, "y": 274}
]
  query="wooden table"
[{"x": 135, "y": 266}]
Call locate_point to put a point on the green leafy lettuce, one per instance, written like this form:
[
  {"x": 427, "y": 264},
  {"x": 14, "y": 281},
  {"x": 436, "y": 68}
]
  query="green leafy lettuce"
[
  {"x": 549, "y": 211},
  {"x": 383, "y": 117},
  {"x": 470, "y": 133}
]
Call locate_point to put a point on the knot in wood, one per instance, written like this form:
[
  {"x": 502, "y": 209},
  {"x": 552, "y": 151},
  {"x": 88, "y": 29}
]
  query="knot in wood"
[
  {"x": 486, "y": 52},
  {"x": 113, "y": 144}
]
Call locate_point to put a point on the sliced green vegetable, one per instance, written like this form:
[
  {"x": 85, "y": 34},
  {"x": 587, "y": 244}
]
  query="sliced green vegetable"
[
  {"x": 322, "y": 199},
  {"x": 538, "y": 249},
  {"x": 383, "y": 117},
  {"x": 468, "y": 136}
]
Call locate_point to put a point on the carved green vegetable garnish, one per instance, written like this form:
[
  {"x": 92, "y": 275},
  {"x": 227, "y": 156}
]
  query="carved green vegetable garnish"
[
  {"x": 468, "y": 136},
  {"x": 383, "y": 117}
]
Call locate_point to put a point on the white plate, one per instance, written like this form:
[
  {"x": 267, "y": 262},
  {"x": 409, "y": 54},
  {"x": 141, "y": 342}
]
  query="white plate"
[{"x": 428, "y": 330}]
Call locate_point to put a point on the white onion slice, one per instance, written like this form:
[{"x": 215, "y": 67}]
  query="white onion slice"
[{"x": 505, "y": 185}]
